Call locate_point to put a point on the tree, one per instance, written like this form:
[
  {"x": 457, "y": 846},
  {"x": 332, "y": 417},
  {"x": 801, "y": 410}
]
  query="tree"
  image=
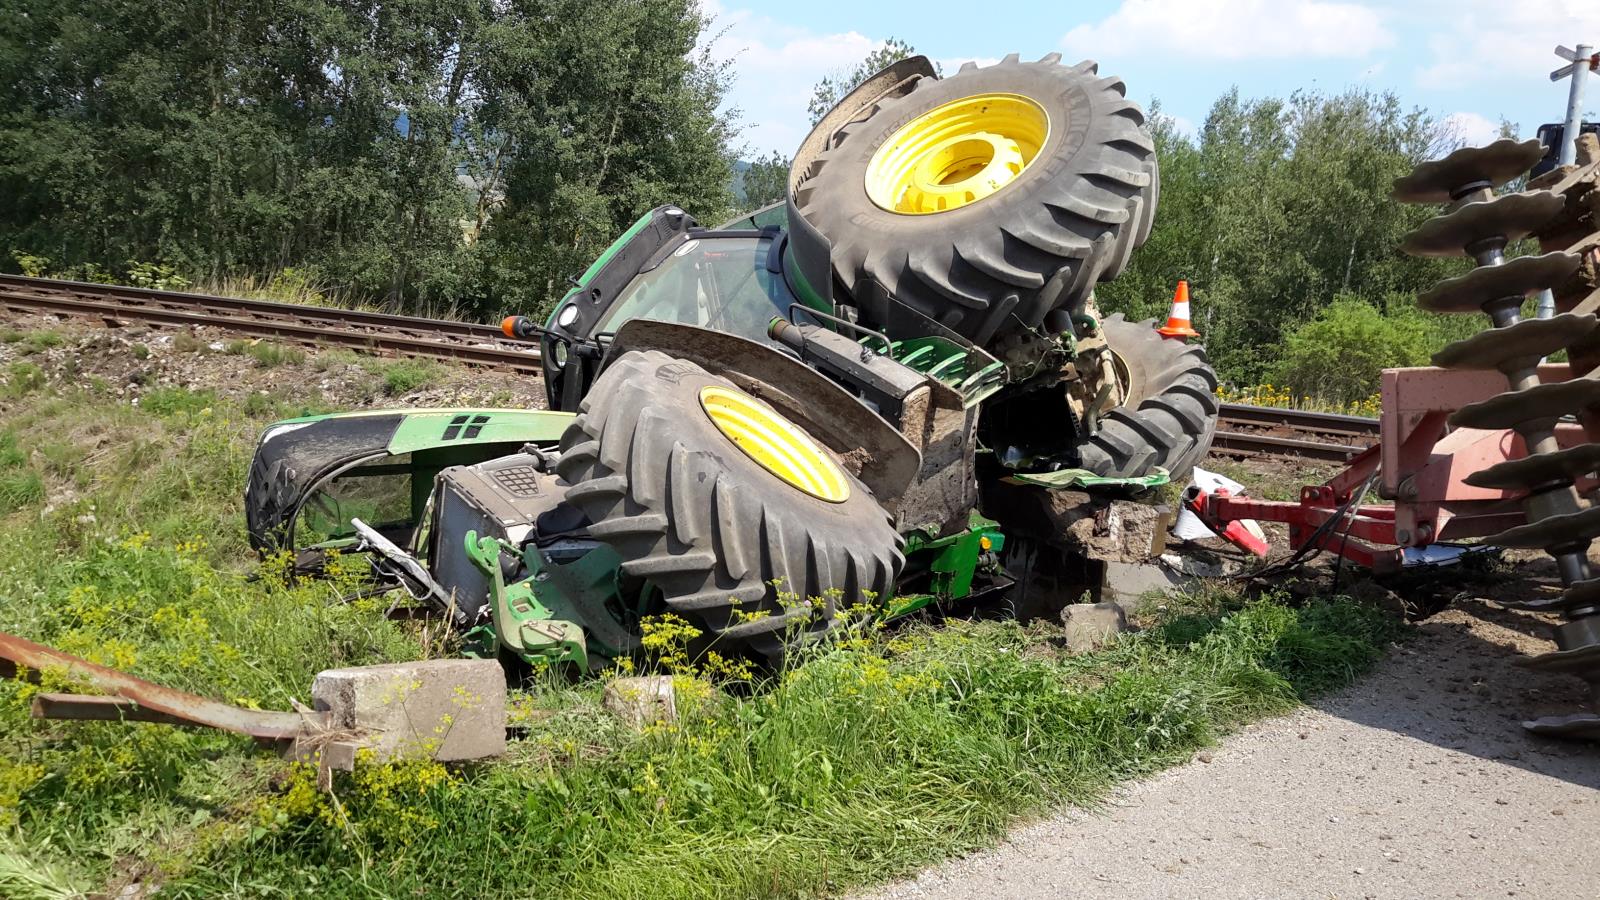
[
  {"x": 469, "y": 153},
  {"x": 1272, "y": 210},
  {"x": 832, "y": 88},
  {"x": 766, "y": 180},
  {"x": 604, "y": 111}
]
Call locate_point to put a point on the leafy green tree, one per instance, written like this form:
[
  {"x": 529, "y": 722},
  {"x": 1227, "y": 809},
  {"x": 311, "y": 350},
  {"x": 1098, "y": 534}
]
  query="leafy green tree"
[
  {"x": 832, "y": 88},
  {"x": 411, "y": 151},
  {"x": 766, "y": 180},
  {"x": 1275, "y": 208},
  {"x": 603, "y": 112}
]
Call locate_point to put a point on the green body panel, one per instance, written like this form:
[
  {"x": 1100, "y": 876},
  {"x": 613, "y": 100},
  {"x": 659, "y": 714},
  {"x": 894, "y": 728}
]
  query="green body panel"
[
  {"x": 429, "y": 429},
  {"x": 425, "y": 428},
  {"x": 953, "y": 563}
]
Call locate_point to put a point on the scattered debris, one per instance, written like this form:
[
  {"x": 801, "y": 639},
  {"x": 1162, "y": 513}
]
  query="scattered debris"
[{"x": 446, "y": 709}]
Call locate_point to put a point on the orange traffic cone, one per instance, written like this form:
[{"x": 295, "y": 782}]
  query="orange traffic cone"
[{"x": 1178, "y": 327}]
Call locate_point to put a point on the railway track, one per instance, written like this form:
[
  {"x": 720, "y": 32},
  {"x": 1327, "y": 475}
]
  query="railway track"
[
  {"x": 1268, "y": 431},
  {"x": 1243, "y": 430},
  {"x": 442, "y": 339}
]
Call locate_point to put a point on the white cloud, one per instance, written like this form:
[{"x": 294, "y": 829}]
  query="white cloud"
[
  {"x": 1233, "y": 30},
  {"x": 1183, "y": 126},
  {"x": 776, "y": 66},
  {"x": 1478, "y": 41},
  {"x": 1472, "y": 129}
]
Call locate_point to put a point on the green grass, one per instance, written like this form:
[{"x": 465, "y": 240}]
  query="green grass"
[
  {"x": 22, "y": 378},
  {"x": 877, "y": 756},
  {"x": 402, "y": 376},
  {"x": 38, "y": 341},
  {"x": 395, "y": 376},
  {"x": 267, "y": 354}
]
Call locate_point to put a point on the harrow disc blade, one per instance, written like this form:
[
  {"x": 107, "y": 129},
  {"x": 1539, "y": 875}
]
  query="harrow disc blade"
[
  {"x": 1517, "y": 278},
  {"x": 1583, "y": 662},
  {"x": 1552, "y": 531},
  {"x": 1541, "y": 402},
  {"x": 1541, "y": 468},
  {"x": 1510, "y": 216},
  {"x": 1437, "y": 181},
  {"x": 1582, "y": 593},
  {"x": 1576, "y": 726},
  {"x": 1547, "y": 604},
  {"x": 1518, "y": 346}
]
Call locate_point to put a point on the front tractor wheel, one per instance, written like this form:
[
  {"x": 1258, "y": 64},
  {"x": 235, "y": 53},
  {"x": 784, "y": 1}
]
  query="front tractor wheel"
[
  {"x": 747, "y": 526},
  {"x": 1169, "y": 411}
]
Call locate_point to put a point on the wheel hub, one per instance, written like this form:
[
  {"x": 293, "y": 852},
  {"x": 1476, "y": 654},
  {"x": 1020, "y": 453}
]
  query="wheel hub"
[
  {"x": 957, "y": 154},
  {"x": 775, "y": 444}
]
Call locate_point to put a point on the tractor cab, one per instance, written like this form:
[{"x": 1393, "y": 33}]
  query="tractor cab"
[{"x": 666, "y": 268}]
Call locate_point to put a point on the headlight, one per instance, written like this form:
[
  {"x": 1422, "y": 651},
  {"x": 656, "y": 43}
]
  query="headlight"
[{"x": 567, "y": 316}]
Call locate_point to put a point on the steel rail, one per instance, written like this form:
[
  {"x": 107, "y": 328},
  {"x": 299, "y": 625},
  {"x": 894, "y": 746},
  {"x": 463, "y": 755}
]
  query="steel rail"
[
  {"x": 333, "y": 316},
  {"x": 1299, "y": 420},
  {"x": 1233, "y": 442},
  {"x": 309, "y": 330}
]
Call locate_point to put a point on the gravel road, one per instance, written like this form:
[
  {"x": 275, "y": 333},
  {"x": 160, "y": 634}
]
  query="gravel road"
[{"x": 1416, "y": 782}]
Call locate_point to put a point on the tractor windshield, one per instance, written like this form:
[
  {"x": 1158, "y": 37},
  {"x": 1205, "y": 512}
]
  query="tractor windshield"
[{"x": 721, "y": 283}]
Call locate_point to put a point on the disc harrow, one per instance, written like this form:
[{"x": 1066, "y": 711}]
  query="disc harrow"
[{"x": 1563, "y": 212}]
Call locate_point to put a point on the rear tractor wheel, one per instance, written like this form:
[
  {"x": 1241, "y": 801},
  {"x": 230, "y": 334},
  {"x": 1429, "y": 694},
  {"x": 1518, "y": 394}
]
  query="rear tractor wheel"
[
  {"x": 991, "y": 201},
  {"x": 748, "y": 527}
]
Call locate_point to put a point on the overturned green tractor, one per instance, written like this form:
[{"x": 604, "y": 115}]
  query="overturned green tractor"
[{"x": 840, "y": 402}]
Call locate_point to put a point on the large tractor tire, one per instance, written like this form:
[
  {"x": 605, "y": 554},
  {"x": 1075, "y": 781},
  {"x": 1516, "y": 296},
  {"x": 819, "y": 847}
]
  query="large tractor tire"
[
  {"x": 989, "y": 199},
  {"x": 1170, "y": 413},
  {"x": 746, "y": 526}
]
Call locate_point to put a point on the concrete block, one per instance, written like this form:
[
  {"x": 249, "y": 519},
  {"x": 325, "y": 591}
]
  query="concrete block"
[
  {"x": 1128, "y": 583},
  {"x": 642, "y": 700},
  {"x": 1119, "y": 530},
  {"x": 447, "y": 709},
  {"x": 1090, "y": 626}
]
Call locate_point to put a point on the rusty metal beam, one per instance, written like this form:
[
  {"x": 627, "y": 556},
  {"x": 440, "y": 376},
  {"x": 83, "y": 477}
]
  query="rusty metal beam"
[
  {"x": 148, "y": 698},
  {"x": 88, "y": 707}
]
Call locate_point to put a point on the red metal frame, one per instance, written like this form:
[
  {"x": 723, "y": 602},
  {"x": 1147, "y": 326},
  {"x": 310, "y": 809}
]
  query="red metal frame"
[{"x": 1422, "y": 464}]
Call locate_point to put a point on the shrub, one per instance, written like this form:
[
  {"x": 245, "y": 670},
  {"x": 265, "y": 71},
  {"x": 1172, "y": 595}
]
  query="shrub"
[
  {"x": 39, "y": 341},
  {"x": 1339, "y": 355},
  {"x": 267, "y": 354},
  {"x": 177, "y": 401},
  {"x": 408, "y": 375},
  {"x": 22, "y": 378}
]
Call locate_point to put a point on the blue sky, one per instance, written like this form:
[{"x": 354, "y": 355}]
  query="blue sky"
[{"x": 1476, "y": 61}]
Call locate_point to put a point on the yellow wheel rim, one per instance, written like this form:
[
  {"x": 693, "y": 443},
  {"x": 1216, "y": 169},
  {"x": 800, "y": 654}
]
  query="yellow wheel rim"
[
  {"x": 957, "y": 154},
  {"x": 774, "y": 443}
]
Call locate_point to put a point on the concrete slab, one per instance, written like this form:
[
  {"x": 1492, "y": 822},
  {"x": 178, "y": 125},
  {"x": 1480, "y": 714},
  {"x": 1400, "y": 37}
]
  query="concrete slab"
[
  {"x": 1090, "y": 626},
  {"x": 642, "y": 700},
  {"x": 1128, "y": 583},
  {"x": 446, "y": 709}
]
